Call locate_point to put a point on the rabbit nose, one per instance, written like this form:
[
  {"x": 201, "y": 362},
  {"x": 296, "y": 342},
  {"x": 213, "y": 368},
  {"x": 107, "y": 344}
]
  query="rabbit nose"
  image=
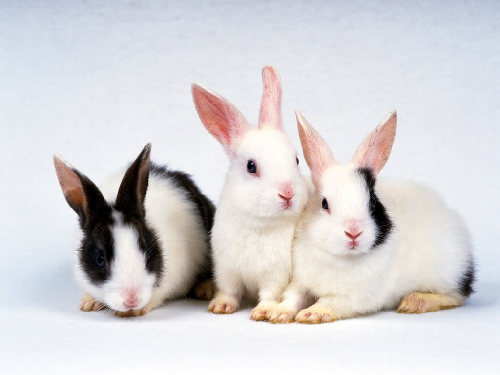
[
  {"x": 286, "y": 192},
  {"x": 286, "y": 197},
  {"x": 131, "y": 299},
  {"x": 353, "y": 229},
  {"x": 353, "y": 234}
]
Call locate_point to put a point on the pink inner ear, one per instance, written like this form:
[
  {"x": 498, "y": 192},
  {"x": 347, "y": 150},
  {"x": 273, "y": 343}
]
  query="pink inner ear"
[
  {"x": 374, "y": 151},
  {"x": 219, "y": 116},
  {"x": 71, "y": 185},
  {"x": 270, "y": 107},
  {"x": 317, "y": 153}
]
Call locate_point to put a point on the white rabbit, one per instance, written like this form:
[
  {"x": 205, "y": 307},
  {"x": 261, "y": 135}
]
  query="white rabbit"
[
  {"x": 263, "y": 197},
  {"x": 363, "y": 246}
]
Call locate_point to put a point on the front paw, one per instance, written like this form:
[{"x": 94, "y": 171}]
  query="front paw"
[
  {"x": 261, "y": 311},
  {"x": 315, "y": 315},
  {"x": 88, "y": 303},
  {"x": 132, "y": 313},
  {"x": 280, "y": 315},
  {"x": 223, "y": 305}
]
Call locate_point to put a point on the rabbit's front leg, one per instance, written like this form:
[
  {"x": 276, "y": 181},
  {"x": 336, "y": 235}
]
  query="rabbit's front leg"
[
  {"x": 269, "y": 296},
  {"x": 229, "y": 293},
  {"x": 327, "y": 309},
  {"x": 294, "y": 298}
]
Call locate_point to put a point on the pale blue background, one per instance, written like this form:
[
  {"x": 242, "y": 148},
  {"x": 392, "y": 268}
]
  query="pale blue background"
[{"x": 94, "y": 81}]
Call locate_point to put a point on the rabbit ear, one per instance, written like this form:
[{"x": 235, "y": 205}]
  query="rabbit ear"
[
  {"x": 81, "y": 194},
  {"x": 317, "y": 153},
  {"x": 222, "y": 119},
  {"x": 270, "y": 107},
  {"x": 376, "y": 148},
  {"x": 132, "y": 191}
]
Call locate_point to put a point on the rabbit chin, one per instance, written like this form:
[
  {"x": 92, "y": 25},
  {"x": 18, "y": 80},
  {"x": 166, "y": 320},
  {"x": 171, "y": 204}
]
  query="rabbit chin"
[{"x": 115, "y": 301}]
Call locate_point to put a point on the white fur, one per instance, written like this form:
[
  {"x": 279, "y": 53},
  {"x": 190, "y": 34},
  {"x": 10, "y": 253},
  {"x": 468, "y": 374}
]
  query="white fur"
[
  {"x": 252, "y": 234},
  {"x": 428, "y": 250},
  {"x": 182, "y": 240}
]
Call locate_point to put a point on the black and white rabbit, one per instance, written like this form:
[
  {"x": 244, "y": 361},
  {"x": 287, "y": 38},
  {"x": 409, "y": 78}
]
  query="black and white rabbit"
[
  {"x": 144, "y": 236},
  {"x": 365, "y": 245}
]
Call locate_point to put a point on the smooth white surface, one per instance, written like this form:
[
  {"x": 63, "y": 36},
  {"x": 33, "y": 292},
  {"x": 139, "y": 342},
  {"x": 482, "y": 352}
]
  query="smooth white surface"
[{"x": 95, "y": 81}]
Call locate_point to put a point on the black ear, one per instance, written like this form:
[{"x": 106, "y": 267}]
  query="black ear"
[
  {"x": 132, "y": 191},
  {"x": 83, "y": 196}
]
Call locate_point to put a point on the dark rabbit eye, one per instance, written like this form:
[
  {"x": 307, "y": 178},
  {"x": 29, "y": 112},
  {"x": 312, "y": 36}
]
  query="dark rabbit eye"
[
  {"x": 297, "y": 159},
  {"x": 251, "y": 167},
  {"x": 148, "y": 253},
  {"x": 100, "y": 260},
  {"x": 324, "y": 204}
]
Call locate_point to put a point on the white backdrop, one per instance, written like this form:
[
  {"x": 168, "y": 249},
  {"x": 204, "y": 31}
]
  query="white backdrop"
[{"x": 95, "y": 81}]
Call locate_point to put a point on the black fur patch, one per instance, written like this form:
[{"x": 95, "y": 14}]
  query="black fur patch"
[
  {"x": 206, "y": 208},
  {"x": 97, "y": 239},
  {"x": 377, "y": 209},
  {"x": 184, "y": 181},
  {"x": 467, "y": 280},
  {"x": 95, "y": 222}
]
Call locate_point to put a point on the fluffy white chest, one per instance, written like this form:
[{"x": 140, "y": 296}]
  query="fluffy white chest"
[
  {"x": 358, "y": 278},
  {"x": 255, "y": 256}
]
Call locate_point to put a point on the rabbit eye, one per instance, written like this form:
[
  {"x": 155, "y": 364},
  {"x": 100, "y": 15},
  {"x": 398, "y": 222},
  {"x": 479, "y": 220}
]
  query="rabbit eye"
[
  {"x": 251, "y": 167},
  {"x": 297, "y": 159},
  {"x": 99, "y": 260},
  {"x": 324, "y": 204}
]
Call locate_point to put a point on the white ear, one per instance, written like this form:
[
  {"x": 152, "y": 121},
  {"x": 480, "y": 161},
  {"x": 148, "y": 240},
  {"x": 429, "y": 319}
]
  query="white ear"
[
  {"x": 222, "y": 119},
  {"x": 376, "y": 148},
  {"x": 270, "y": 106},
  {"x": 317, "y": 153}
]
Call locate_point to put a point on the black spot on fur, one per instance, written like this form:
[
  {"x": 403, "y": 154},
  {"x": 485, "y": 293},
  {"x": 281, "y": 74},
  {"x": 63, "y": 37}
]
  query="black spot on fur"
[
  {"x": 206, "y": 208},
  {"x": 184, "y": 181},
  {"x": 95, "y": 221},
  {"x": 97, "y": 239},
  {"x": 467, "y": 280},
  {"x": 377, "y": 209}
]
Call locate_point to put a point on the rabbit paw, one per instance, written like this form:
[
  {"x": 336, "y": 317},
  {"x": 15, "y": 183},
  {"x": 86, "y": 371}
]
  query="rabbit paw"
[
  {"x": 280, "y": 315},
  {"x": 223, "y": 305},
  {"x": 204, "y": 290},
  {"x": 261, "y": 310},
  {"x": 88, "y": 303},
  {"x": 132, "y": 313},
  {"x": 315, "y": 315},
  {"x": 418, "y": 302}
]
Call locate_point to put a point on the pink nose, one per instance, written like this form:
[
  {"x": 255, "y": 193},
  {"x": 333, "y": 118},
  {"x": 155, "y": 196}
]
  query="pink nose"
[
  {"x": 286, "y": 197},
  {"x": 286, "y": 192},
  {"x": 131, "y": 300},
  {"x": 353, "y": 234}
]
